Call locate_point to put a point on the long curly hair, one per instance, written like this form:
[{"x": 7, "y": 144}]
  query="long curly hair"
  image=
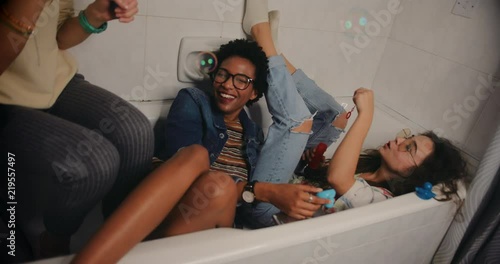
[
  {"x": 251, "y": 51},
  {"x": 445, "y": 165}
]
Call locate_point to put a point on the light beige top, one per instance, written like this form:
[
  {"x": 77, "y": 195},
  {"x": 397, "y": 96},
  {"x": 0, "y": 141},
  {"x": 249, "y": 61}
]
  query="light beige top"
[{"x": 41, "y": 71}]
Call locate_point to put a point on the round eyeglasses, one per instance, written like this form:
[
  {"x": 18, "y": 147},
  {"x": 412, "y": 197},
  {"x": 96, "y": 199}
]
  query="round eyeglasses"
[
  {"x": 411, "y": 146},
  {"x": 240, "y": 81}
]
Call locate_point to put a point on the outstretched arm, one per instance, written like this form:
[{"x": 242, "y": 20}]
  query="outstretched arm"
[{"x": 343, "y": 164}]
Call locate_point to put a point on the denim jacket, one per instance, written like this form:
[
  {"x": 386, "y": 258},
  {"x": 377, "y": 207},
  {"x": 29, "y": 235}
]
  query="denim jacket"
[{"x": 195, "y": 119}]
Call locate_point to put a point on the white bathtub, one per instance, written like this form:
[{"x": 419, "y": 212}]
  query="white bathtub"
[
  {"x": 405, "y": 229},
  {"x": 402, "y": 230}
]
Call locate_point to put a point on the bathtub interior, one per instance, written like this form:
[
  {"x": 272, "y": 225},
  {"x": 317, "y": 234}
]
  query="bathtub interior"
[{"x": 401, "y": 230}]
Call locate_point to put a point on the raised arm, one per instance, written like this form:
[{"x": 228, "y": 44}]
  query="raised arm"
[
  {"x": 343, "y": 164},
  {"x": 71, "y": 33}
]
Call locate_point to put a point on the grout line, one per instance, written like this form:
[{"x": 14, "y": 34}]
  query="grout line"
[{"x": 448, "y": 59}]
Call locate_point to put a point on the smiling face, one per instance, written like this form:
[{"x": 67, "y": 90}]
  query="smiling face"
[
  {"x": 402, "y": 155},
  {"x": 229, "y": 99}
]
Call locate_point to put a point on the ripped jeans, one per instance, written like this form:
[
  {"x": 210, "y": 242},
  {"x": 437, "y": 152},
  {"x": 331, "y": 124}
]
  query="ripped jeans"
[{"x": 291, "y": 100}]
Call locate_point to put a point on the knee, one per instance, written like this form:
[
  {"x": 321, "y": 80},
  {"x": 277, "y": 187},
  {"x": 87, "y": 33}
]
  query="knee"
[
  {"x": 304, "y": 127},
  {"x": 340, "y": 121},
  {"x": 131, "y": 128},
  {"x": 197, "y": 154},
  {"x": 88, "y": 163},
  {"x": 219, "y": 188}
]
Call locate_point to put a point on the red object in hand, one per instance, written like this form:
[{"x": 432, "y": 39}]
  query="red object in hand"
[{"x": 318, "y": 156}]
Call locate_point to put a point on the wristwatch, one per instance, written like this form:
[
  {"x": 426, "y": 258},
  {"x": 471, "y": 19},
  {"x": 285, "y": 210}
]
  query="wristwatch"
[{"x": 248, "y": 194}]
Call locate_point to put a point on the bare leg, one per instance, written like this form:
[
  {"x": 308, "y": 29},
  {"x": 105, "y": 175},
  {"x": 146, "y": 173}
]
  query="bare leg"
[
  {"x": 262, "y": 34},
  {"x": 209, "y": 203},
  {"x": 145, "y": 207},
  {"x": 291, "y": 69}
]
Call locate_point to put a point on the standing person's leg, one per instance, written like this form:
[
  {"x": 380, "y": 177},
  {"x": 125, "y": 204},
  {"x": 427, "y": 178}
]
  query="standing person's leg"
[
  {"x": 112, "y": 118},
  {"x": 292, "y": 121},
  {"x": 56, "y": 174}
]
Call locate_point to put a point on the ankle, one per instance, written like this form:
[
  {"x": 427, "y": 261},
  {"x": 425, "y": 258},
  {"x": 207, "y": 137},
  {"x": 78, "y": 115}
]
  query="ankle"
[{"x": 257, "y": 29}]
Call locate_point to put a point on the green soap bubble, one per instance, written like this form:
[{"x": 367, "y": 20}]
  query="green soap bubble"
[{"x": 348, "y": 24}]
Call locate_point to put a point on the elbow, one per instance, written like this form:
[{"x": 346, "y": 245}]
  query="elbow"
[
  {"x": 331, "y": 179},
  {"x": 61, "y": 45}
]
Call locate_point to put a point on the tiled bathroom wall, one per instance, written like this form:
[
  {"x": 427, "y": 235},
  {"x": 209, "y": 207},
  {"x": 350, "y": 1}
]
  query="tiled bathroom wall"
[
  {"x": 420, "y": 59},
  {"x": 442, "y": 70}
]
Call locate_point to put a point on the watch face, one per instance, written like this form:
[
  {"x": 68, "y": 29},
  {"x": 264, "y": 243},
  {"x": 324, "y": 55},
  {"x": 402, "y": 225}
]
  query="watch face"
[{"x": 248, "y": 196}]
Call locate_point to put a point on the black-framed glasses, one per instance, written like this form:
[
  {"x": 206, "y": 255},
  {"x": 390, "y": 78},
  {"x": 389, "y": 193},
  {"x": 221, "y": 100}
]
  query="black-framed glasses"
[
  {"x": 240, "y": 81},
  {"x": 411, "y": 146}
]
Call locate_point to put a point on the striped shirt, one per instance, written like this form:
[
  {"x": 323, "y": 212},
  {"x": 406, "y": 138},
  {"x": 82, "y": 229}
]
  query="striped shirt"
[{"x": 232, "y": 159}]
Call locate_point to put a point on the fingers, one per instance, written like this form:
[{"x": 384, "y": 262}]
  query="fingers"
[
  {"x": 309, "y": 189},
  {"x": 363, "y": 99},
  {"x": 122, "y": 4},
  {"x": 303, "y": 214},
  {"x": 126, "y": 11}
]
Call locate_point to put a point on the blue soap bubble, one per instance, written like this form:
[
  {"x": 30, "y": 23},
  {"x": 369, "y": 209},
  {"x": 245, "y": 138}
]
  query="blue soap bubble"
[{"x": 362, "y": 21}]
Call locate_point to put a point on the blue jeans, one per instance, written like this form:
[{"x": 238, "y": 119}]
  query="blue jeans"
[{"x": 291, "y": 100}]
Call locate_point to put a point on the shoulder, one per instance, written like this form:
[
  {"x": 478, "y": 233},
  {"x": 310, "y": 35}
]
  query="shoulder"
[
  {"x": 362, "y": 193},
  {"x": 193, "y": 94}
]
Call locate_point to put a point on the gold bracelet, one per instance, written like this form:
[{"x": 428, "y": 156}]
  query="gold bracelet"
[
  {"x": 16, "y": 24},
  {"x": 14, "y": 29}
]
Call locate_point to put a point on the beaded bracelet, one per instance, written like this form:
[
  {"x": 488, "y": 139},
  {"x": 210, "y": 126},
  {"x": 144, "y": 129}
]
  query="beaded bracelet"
[
  {"x": 15, "y": 24},
  {"x": 88, "y": 27}
]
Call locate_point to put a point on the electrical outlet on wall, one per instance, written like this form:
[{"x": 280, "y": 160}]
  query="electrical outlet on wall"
[{"x": 465, "y": 8}]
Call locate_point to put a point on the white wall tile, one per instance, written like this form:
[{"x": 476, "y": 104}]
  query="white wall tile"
[
  {"x": 331, "y": 15},
  {"x": 484, "y": 129},
  {"x": 232, "y": 30},
  {"x": 429, "y": 90},
  {"x": 320, "y": 55},
  {"x": 212, "y": 10},
  {"x": 114, "y": 59},
  {"x": 448, "y": 89},
  {"x": 401, "y": 76},
  {"x": 472, "y": 41},
  {"x": 162, "y": 48},
  {"x": 82, "y": 4}
]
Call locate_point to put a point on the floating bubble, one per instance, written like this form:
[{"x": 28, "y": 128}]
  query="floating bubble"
[
  {"x": 362, "y": 21},
  {"x": 207, "y": 62},
  {"x": 348, "y": 24},
  {"x": 354, "y": 21}
]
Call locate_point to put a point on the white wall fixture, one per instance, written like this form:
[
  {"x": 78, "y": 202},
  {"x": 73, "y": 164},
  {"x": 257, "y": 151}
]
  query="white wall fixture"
[
  {"x": 192, "y": 50},
  {"x": 465, "y": 8}
]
